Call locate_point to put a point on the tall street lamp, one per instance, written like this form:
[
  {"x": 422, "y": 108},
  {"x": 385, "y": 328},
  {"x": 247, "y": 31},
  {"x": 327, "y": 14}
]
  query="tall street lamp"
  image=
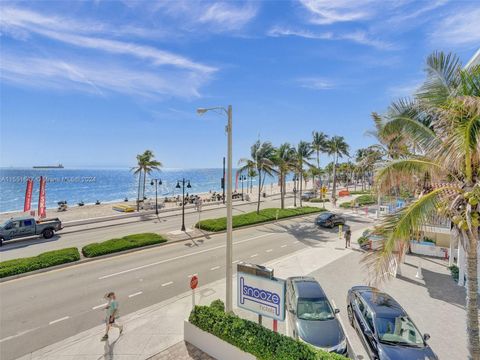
[
  {"x": 242, "y": 179},
  {"x": 156, "y": 182},
  {"x": 183, "y": 198},
  {"x": 229, "y": 257}
]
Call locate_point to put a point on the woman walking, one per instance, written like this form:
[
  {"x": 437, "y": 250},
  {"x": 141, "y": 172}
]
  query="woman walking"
[{"x": 112, "y": 313}]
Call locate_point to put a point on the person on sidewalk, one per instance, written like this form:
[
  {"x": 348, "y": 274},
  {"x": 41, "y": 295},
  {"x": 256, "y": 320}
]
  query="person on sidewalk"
[
  {"x": 348, "y": 235},
  {"x": 112, "y": 313}
]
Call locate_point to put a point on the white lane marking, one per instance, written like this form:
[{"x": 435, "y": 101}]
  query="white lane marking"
[
  {"x": 283, "y": 246},
  {"x": 17, "y": 335},
  {"x": 254, "y": 255},
  {"x": 168, "y": 283},
  {"x": 135, "y": 294},
  {"x": 58, "y": 320},
  {"x": 191, "y": 275},
  {"x": 215, "y": 268},
  {"x": 296, "y": 242},
  {"x": 269, "y": 250},
  {"x": 179, "y": 257},
  {"x": 343, "y": 328},
  {"x": 236, "y": 261},
  {"x": 99, "y": 306}
]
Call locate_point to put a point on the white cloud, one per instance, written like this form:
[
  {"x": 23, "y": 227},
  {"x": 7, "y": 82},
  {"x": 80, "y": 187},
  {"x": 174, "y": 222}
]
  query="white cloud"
[
  {"x": 315, "y": 83},
  {"x": 462, "y": 28},
  {"x": 97, "y": 78},
  {"x": 210, "y": 16},
  {"x": 359, "y": 37},
  {"x": 406, "y": 89},
  {"x": 326, "y": 12},
  {"x": 120, "y": 66},
  {"x": 227, "y": 16}
]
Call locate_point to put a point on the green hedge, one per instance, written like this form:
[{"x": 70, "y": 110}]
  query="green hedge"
[
  {"x": 124, "y": 243},
  {"x": 361, "y": 192},
  {"x": 252, "y": 218},
  {"x": 44, "y": 260},
  {"x": 250, "y": 337},
  {"x": 362, "y": 200},
  {"x": 319, "y": 200}
]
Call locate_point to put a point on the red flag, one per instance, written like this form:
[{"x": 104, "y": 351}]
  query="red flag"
[
  {"x": 42, "y": 210},
  {"x": 28, "y": 195}
]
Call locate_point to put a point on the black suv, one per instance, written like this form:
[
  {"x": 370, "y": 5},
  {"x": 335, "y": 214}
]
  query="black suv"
[
  {"x": 384, "y": 327},
  {"x": 329, "y": 219}
]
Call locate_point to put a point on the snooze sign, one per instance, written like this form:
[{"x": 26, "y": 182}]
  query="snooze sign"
[{"x": 261, "y": 295}]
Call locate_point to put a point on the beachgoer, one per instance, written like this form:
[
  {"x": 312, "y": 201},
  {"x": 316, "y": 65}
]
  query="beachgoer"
[
  {"x": 111, "y": 315},
  {"x": 348, "y": 235}
]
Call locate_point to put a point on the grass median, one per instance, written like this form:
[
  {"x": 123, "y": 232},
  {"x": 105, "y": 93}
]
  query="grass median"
[
  {"x": 121, "y": 244},
  {"x": 252, "y": 218},
  {"x": 362, "y": 200},
  {"x": 42, "y": 261}
]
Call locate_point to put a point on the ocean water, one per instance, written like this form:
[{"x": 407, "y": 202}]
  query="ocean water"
[{"x": 105, "y": 185}]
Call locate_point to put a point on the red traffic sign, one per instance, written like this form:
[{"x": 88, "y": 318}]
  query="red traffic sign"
[{"x": 193, "y": 282}]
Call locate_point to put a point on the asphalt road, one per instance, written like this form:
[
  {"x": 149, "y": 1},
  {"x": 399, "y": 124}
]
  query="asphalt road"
[
  {"x": 42, "y": 309},
  {"x": 80, "y": 236}
]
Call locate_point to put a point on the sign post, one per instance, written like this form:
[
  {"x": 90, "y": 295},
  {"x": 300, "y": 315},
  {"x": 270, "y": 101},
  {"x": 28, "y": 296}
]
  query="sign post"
[
  {"x": 193, "y": 286},
  {"x": 340, "y": 228}
]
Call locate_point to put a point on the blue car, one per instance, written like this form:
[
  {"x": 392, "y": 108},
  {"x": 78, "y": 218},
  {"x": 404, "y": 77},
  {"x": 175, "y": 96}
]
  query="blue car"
[{"x": 385, "y": 329}]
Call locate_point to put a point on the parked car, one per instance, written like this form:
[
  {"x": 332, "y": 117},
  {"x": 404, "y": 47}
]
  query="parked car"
[
  {"x": 384, "y": 327},
  {"x": 329, "y": 219},
  {"x": 308, "y": 195},
  {"x": 311, "y": 317},
  {"x": 27, "y": 226}
]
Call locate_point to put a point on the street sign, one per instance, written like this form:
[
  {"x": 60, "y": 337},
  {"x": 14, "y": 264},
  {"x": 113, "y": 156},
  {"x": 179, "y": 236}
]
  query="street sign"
[
  {"x": 263, "y": 296},
  {"x": 194, "y": 282}
]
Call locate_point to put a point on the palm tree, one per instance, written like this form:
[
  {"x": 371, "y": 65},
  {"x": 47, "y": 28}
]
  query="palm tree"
[
  {"x": 319, "y": 144},
  {"x": 283, "y": 159},
  {"x": 145, "y": 164},
  {"x": 261, "y": 159},
  {"x": 303, "y": 153},
  {"x": 337, "y": 147},
  {"x": 447, "y": 150}
]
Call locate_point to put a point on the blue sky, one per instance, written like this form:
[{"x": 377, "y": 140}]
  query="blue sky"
[{"x": 91, "y": 84}]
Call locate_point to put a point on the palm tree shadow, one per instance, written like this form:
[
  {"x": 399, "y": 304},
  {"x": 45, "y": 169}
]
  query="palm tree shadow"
[{"x": 306, "y": 232}]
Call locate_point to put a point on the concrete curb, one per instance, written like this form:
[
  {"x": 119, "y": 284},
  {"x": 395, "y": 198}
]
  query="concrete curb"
[{"x": 106, "y": 256}]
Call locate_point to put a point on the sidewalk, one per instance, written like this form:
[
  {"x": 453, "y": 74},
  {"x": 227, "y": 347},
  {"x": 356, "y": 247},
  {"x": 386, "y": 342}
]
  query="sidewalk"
[{"x": 152, "y": 330}]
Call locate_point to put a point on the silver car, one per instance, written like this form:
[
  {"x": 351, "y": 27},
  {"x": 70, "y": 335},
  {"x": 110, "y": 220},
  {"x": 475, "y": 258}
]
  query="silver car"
[{"x": 311, "y": 317}]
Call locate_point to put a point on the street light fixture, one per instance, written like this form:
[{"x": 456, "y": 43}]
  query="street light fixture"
[
  {"x": 242, "y": 179},
  {"x": 229, "y": 247},
  {"x": 156, "y": 182},
  {"x": 183, "y": 198}
]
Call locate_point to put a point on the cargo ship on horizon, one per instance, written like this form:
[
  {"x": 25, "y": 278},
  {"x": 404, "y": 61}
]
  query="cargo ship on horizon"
[{"x": 59, "y": 166}]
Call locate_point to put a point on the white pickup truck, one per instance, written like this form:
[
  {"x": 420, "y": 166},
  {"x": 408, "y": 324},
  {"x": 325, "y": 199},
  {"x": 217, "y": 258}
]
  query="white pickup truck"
[{"x": 27, "y": 226}]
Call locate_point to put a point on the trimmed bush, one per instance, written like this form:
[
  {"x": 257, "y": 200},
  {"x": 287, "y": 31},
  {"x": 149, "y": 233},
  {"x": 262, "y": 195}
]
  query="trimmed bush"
[
  {"x": 454, "y": 271},
  {"x": 362, "y": 200},
  {"x": 319, "y": 200},
  {"x": 250, "y": 337},
  {"x": 251, "y": 218},
  {"x": 44, "y": 260},
  {"x": 361, "y": 192},
  {"x": 124, "y": 243}
]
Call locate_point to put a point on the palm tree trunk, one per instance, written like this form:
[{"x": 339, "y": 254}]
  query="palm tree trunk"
[
  {"x": 472, "y": 296},
  {"x": 334, "y": 186},
  {"x": 259, "y": 190},
  {"x": 300, "y": 180},
  {"x": 144, "y": 183},
  {"x": 138, "y": 191},
  {"x": 282, "y": 187}
]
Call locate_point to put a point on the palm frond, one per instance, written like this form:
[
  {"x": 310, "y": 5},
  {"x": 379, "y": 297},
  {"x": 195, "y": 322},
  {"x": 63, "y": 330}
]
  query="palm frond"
[
  {"x": 398, "y": 229},
  {"x": 406, "y": 172}
]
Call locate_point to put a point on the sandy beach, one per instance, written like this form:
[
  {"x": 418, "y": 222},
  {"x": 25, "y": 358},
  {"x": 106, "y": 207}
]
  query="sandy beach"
[{"x": 89, "y": 211}]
